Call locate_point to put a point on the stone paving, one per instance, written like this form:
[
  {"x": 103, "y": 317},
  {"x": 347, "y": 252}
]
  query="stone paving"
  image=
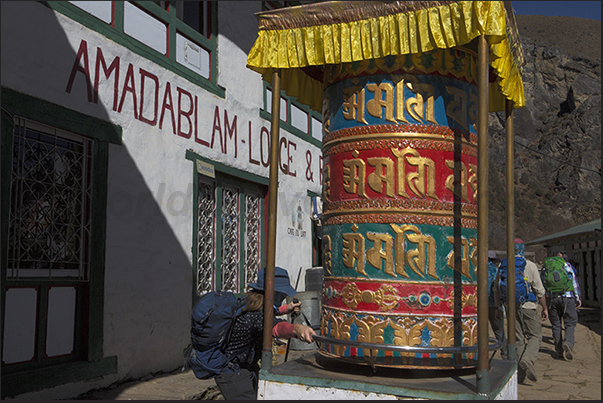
[{"x": 579, "y": 379}]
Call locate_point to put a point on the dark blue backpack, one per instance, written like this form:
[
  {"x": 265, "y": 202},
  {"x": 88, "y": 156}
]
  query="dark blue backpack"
[
  {"x": 523, "y": 292},
  {"x": 212, "y": 320}
]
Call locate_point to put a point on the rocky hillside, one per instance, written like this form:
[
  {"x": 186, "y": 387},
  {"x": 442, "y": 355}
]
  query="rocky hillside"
[{"x": 557, "y": 133}]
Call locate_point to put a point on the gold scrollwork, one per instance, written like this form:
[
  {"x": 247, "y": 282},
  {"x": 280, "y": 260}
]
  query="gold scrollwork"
[
  {"x": 326, "y": 182},
  {"x": 326, "y": 248},
  {"x": 326, "y": 112},
  {"x": 407, "y": 331},
  {"x": 385, "y": 297},
  {"x": 470, "y": 335},
  {"x": 370, "y": 330},
  {"x": 340, "y": 327},
  {"x": 466, "y": 300}
]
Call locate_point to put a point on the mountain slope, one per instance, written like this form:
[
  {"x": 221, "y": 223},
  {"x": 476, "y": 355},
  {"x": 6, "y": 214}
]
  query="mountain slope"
[{"x": 557, "y": 134}]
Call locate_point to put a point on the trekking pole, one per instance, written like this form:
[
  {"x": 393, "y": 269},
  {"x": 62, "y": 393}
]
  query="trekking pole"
[{"x": 293, "y": 315}]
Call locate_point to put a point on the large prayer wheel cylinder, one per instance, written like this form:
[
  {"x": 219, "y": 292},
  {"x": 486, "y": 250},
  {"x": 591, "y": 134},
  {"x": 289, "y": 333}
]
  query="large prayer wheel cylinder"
[{"x": 400, "y": 211}]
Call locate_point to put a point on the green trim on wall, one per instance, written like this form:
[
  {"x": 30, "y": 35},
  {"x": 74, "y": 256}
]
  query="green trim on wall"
[
  {"x": 117, "y": 35},
  {"x": 6, "y": 146},
  {"x": 293, "y": 130},
  {"x": 42, "y": 111},
  {"x": 97, "y": 253},
  {"x": 192, "y": 156},
  {"x": 28, "y": 377},
  {"x": 308, "y": 137}
]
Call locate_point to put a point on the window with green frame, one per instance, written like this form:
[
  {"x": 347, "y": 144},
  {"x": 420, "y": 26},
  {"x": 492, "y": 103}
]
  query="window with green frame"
[
  {"x": 178, "y": 35},
  {"x": 54, "y": 170},
  {"x": 228, "y": 233},
  {"x": 296, "y": 118}
]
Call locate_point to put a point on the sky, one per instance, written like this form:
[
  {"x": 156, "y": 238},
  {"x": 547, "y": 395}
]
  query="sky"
[{"x": 581, "y": 9}]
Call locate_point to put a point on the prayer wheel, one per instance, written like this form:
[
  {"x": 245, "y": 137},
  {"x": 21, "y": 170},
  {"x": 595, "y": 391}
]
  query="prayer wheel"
[{"x": 400, "y": 211}]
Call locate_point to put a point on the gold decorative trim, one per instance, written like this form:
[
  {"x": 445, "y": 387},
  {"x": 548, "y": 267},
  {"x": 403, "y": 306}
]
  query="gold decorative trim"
[
  {"x": 346, "y": 138},
  {"x": 385, "y": 281},
  {"x": 386, "y": 218},
  {"x": 400, "y": 315},
  {"x": 397, "y": 143},
  {"x": 399, "y": 206},
  {"x": 385, "y": 297}
]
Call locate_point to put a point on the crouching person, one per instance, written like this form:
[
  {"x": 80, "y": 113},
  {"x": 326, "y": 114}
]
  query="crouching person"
[{"x": 240, "y": 380}]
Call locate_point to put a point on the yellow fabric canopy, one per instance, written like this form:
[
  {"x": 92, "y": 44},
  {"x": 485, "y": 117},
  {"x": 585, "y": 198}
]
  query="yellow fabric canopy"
[{"x": 300, "y": 40}]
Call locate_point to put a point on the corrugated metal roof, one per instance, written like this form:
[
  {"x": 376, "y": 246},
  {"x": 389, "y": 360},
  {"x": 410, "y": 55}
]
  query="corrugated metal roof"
[{"x": 585, "y": 228}]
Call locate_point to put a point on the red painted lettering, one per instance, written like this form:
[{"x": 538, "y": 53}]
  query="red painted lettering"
[
  {"x": 229, "y": 132},
  {"x": 290, "y": 158},
  {"x": 143, "y": 75},
  {"x": 251, "y": 160},
  {"x": 217, "y": 127},
  {"x": 82, "y": 54},
  {"x": 267, "y": 133},
  {"x": 168, "y": 104},
  {"x": 284, "y": 167},
  {"x": 320, "y": 168},
  {"x": 100, "y": 59},
  {"x": 197, "y": 139},
  {"x": 129, "y": 87},
  {"x": 187, "y": 114}
]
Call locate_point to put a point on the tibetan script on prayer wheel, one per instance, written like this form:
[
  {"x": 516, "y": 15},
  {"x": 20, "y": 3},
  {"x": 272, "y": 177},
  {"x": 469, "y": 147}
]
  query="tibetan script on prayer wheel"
[{"x": 400, "y": 210}]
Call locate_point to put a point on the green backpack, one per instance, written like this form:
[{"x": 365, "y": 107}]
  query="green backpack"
[{"x": 554, "y": 277}]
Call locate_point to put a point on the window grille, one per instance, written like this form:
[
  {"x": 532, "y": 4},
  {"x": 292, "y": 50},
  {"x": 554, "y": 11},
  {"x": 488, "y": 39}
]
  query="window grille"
[
  {"x": 49, "y": 219},
  {"x": 252, "y": 237},
  {"x": 228, "y": 236},
  {"x": 206, "y": 223},
  {"x": 230, "y": 239}
]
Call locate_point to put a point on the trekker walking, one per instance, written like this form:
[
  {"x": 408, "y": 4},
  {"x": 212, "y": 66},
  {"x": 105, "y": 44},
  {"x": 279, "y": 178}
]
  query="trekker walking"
[
  {"x": 563, "y": 313},
  {"x": 495, "y": 307},
  {"x": 528, "y": 326}
]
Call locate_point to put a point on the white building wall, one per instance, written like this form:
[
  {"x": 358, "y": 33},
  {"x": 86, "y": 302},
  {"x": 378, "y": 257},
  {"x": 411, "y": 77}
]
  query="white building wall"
[{"x": 148, "y": 274}]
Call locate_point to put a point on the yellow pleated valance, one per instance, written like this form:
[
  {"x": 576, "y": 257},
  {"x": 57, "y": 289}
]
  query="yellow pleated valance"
[{"x": 300, "y": 40}]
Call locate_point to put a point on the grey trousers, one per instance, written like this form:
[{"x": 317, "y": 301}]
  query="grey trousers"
[
  {"x": 562, "y": 310},
  {"x": 239, "y": 385},
  {"x": 498, "y": 328},
  {"x": 528, "y": 332}
]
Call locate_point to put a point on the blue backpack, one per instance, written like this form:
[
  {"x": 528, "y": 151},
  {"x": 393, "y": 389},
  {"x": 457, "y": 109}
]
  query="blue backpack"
[
  {"x": 212, "y": 320},
  {"x": 523, "y": 291}
]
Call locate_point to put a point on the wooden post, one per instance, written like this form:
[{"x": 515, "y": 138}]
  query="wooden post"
[
  {"x": 272, "y": 204},
  {"x": 511, "y": 352},
  {"x": 482, "y": 373}
]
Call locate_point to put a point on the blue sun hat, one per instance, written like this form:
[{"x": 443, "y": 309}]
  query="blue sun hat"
[{"x": 281, "y": 282}]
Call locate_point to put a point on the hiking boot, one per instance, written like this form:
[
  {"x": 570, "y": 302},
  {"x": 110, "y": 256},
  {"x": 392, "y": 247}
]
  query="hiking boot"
[
  {"x": 529, "y": 369},
  {"x": 521, "y": 376},
  {"x": 567, "y": 352}
]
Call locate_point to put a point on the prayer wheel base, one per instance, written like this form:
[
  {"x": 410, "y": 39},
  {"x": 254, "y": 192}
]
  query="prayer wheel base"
[
  {"x": 405, "y": 361},
  {"x": 313, "y": 377}
]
